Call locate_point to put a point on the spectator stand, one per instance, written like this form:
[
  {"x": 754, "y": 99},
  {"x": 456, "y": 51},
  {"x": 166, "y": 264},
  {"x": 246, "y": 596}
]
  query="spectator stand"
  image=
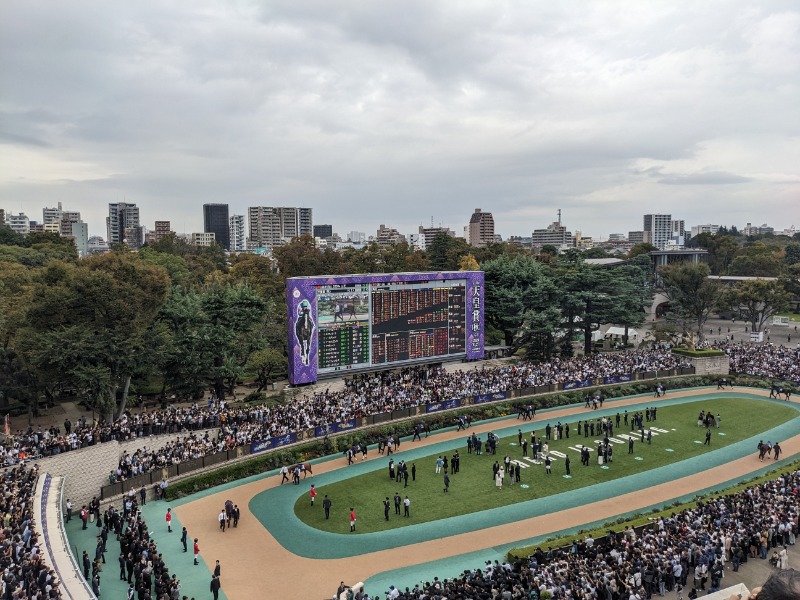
[{"x": 48, "y": 500}]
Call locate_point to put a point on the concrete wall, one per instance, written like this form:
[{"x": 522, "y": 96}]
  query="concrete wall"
[
  {"x": 86, "y": 470},
  {"x": 712, "y": 365}
]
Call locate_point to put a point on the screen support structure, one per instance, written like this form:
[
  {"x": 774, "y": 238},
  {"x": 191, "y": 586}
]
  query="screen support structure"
[{"x": 340, "y": 298}]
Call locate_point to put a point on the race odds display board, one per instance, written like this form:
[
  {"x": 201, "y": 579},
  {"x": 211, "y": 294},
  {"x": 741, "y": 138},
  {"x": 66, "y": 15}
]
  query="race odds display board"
[{"x": 355, "y": 322}]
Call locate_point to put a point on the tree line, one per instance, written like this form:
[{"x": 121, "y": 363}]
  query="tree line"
[{"x": 175, "y": 320}]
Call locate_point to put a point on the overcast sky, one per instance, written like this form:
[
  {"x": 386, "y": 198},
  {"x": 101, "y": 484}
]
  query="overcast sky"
[{"x": 404, "y": 111}]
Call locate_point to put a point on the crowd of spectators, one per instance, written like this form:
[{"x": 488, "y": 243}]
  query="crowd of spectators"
[
  {"x": 141, "y": 565},
  {"x": 23, "y": 572},
  {"x": 691, "y": 549},
  {"x": 768, "y": 361},
  {"x": 362, "y": 396}
]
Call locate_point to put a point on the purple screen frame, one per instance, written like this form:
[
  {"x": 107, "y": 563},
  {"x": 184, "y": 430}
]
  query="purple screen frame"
[{"x": 301, "y": 292}]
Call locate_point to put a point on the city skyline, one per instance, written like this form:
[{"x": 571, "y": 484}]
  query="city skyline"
[{"x": 403, "y": 113}]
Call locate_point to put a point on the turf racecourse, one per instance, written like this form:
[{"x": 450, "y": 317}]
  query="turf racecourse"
[
  {"x": 675, "y": 437},
  {"x": 281, "y": 554}
]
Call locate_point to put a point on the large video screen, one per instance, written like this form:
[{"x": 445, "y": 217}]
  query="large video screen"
[{"x": 357, "y": 322}]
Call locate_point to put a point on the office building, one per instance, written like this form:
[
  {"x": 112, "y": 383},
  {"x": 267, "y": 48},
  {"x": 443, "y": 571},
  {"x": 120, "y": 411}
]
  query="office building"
[
  {"x": 206, "y": 239},
  {"x": 709, "y": 228},
  {"x": 751, "y": 229},
  {"x": 554, "y": 234},
  {"x": 357, "y": 237},
  {"x": 658, "y": 230},
  {"x": 122, "y": 217},
  {"x": 237, "y": 233},
  {"x": 636, "y": 237},
  {"x": 215, "y": 220},
  {"x": 480, "y": 231},
  {"x": 271, "y": 226},
  {"x": 323, "y": 231}
]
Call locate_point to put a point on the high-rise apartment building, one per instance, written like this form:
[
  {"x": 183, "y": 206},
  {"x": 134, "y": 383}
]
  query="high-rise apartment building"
[
  {"x": 386, "y": 236},
  {"x": 271, "y": 226},
  {"x": 2, "y": 216},
  {"x": 237, "y": 233},
  {"x": 480, "y": 231},
  {"x": 51, "y": 215},
  {"x": 161, "y": 230},
  {"x": 658, "y": 230},
  {"x": 19, "y": 223},
  {"x": 215, "y": 220},
  {"x": 122, "y": 216}
]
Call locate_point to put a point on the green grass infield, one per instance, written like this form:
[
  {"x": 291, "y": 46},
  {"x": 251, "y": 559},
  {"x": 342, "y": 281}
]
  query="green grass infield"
[{"x": 676, "y": 437}]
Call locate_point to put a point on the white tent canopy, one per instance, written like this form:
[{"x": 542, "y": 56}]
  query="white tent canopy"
[{"x": 620, "y": 331}]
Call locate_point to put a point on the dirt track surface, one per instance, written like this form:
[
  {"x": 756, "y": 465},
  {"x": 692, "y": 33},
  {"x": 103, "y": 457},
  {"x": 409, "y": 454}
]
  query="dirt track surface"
[{"x": 254, "y": 560}]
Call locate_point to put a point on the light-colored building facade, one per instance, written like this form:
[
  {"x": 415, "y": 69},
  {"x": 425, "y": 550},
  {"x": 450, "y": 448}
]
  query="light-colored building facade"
[
  {"x": 480, "y": 231},
  {"x": 387, "y": 236},
  {"x": 709, "y": 228},
  {"x": 122, "y": 217},
  {"x": 636, "y": 237},
  {"x": 19, "y": 223},
  {"x": 204, "y": 238},
  {"x": 751, "y": 229},
  {"x": 658, "y": 230},
  {"x": 51, "y": 215},
  {"x": 554, "y": 234},
  {"x": 79, "y": 232},
  {"x": 429, "y": 233},
  {"x": 237, "y": 233},
  {"x": 271, "y": 226}
]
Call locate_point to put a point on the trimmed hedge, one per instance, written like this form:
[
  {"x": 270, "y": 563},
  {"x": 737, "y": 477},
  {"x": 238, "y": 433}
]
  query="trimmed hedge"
[{"x": 481, "y": 412}]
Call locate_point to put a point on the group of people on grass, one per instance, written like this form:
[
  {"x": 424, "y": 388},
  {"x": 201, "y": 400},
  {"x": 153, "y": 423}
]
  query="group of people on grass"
[{"x": 685, "y": 553}]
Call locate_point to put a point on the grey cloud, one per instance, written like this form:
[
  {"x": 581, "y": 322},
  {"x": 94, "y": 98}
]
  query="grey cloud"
[{"x": 707, "y": 178}]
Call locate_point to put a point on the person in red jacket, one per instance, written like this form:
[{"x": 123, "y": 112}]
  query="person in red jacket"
[
  {"x": 168, "y": 519},
  {"x": 352, "y": 519},
  {"x": 313, "y": 494},
  {"x": 196, "y": 552}
]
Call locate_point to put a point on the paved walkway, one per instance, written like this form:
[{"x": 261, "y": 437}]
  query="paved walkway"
[{"x": 244, "y": 572}]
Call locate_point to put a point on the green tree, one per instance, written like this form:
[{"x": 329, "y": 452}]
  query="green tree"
[
  {"x": 643, "y": 248},
  {"x": 516, "y": 290},
  {"x": 756, "y": 260},
  {"x": 791, "y": 253},
  {"x": 87, "y": 324},
  {"x": 212, "y": 333},
  {"x": 756, "y": 301},
  {"x": 692, "y": 295},
  {"x": 445, "y": 252},
  {"x": 300, "y": 257},
  {"x": 595, "y": 295},
  {"x": 267, "y": 364}
]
